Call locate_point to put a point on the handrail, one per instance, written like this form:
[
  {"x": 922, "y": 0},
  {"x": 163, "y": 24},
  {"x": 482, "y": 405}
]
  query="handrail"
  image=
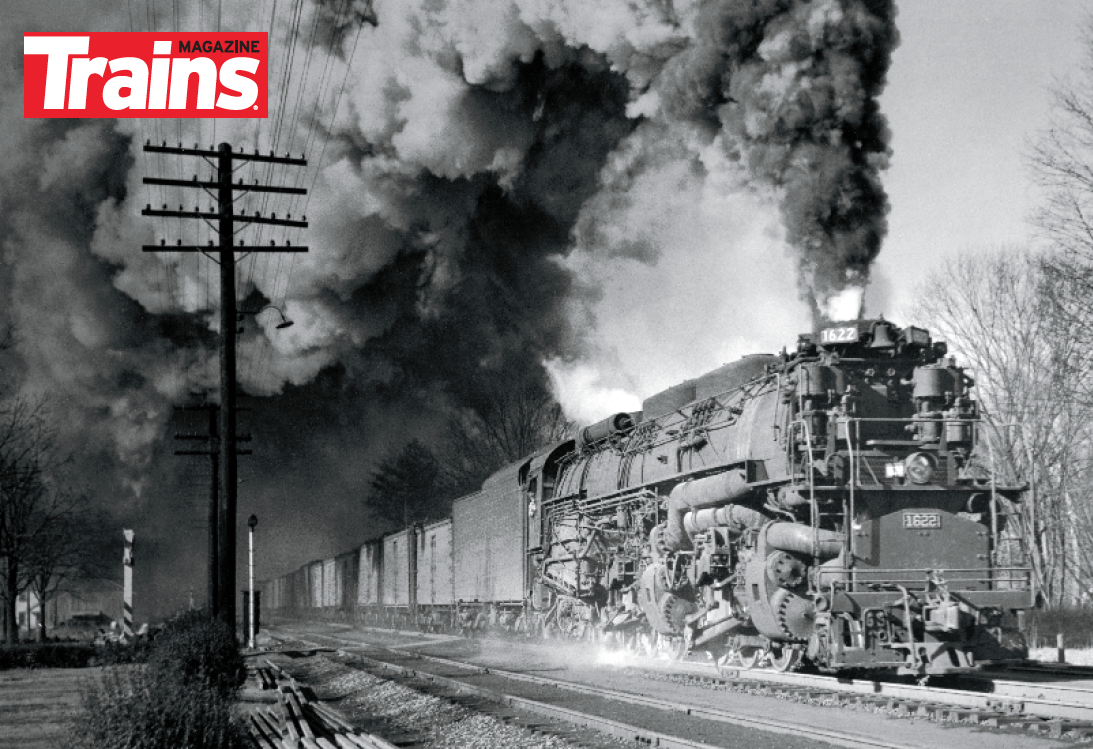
[{"x": 868, "y": 578}]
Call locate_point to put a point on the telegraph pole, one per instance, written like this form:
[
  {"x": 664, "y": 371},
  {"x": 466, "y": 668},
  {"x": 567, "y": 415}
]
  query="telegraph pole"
[{"x": 226, "y": 219}]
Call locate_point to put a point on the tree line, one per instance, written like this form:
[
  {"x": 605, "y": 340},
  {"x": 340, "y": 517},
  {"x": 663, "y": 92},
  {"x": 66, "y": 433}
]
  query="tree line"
[
  {"x": 417, "y": 483},
  {"x": 1022, "y": 320},
  {"x": 49, "y": 532}
]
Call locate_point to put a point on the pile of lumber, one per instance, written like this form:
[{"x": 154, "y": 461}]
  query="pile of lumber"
[{"x": 299, "y": 722}]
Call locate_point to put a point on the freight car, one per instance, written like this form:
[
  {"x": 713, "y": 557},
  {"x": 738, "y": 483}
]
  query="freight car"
[{"x": 831, "y": 505}]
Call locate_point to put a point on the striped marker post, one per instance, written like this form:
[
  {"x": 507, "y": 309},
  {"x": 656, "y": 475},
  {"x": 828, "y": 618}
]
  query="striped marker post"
[{"x": 127, "y": 602}]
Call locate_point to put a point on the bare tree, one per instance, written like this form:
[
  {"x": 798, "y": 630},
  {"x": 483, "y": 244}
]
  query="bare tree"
[
  {"x": 1061, "y": 163},
  {"x": 26, "y": 455},
  {"x": 65, "y": 534},
  {"x": 518, "y": 419},
  {"x": 512, "y": 421},
  {"x": 997, "y": 312},
  {"x": 1061, "y": 160}
]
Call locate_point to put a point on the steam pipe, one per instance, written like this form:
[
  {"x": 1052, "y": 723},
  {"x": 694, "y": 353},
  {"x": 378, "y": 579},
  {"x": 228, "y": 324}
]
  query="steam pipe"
[
  {"x": 720, "y": 489},
  {"x": 737, "y": 517},
  {"x": 798, "y": 539}
]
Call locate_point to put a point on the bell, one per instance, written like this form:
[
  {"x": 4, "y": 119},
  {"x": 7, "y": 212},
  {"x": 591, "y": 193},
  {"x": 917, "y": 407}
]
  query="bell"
[{"x": 882, "y": 336}]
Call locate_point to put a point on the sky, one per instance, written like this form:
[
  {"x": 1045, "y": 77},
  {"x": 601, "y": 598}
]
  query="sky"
[
  {"x": 588, "y": 201},
  {"x": 969, "y": 88}
]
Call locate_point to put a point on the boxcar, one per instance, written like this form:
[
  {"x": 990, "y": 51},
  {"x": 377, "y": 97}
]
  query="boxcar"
[
  {"x": 330, "y": 584},
  {"x": 301, "y": 595},
  {"x": 315, "y": 585},
  {"x": 396, "y": 569},
  {"x": 434, "y": 564},
  {"x": 369, "y": 577},
  {"x": 345, "y": 574},
  {"x": 488, "y": 533},
  {"x": 273, "y": 593}
]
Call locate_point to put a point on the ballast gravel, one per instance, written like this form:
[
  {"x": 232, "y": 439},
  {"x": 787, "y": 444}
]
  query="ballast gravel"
[{"x": 403, "y": 715}]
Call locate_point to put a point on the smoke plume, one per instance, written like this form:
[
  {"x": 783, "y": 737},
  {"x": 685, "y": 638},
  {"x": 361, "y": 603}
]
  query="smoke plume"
[{"x": 597, "y": 197}]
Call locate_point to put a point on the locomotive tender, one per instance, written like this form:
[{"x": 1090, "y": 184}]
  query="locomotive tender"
[{"x": 833, "y": 505}]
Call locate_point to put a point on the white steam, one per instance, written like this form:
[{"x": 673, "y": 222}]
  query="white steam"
[{"x": 845, "y": 305}]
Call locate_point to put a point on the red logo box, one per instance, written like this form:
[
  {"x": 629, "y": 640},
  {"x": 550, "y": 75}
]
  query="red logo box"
[{"x": 145, "y": 74}]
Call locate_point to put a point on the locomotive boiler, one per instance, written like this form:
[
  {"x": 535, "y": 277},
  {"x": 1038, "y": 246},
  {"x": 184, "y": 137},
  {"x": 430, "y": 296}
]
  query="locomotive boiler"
[{"x": 832, "y": 505}]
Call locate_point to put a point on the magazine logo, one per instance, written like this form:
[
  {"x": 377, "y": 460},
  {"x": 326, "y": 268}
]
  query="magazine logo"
[{"x": 145, "y": 74}]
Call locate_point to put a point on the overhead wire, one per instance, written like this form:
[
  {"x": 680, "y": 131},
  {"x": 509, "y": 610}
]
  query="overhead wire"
[
  {"x": 327, "y": 65},
  {"x": 333, "y": 116},
  {"x": 274, "y": 173},
  {"x": 318, "y": 163},
  {"x": 293, "y": 107}
]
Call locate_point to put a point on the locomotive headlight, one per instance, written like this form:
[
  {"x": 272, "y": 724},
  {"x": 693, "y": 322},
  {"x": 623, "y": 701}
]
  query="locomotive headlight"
[
  {"x": 920, "y": 467},
  {"x": 894, "y": 470}
]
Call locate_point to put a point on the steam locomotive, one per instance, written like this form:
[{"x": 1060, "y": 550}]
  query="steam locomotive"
[{"x": 833, "y": 506}]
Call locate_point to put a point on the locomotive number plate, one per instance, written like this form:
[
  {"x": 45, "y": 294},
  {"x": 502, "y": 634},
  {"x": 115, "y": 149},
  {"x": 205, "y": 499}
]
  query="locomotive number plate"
[
  {"x": 839, "y": 335},
  {"x": 919, "y": 520}
]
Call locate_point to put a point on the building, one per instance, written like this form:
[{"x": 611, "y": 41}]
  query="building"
[{"x": 76, "y": 597}]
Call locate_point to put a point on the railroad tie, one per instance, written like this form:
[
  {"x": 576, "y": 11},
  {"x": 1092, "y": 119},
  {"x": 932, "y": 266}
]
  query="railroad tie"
[
  {"x": 271, "y": 722},
  {"x": 862, "y": 701},
  {"x": 1058, "y": 729},
  {"x": 971, "y": 715},
  {"x": 292, "y": 728},
  {"x": 268, "y": 680},
  {"x": 1048, "y": 726},
  {"x": 901, "y": 707},
  {"x": 931, "y": 710},
  {"x": 1017, "y": 721}
]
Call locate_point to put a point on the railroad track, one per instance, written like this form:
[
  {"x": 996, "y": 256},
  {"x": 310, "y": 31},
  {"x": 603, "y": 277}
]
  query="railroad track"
[
  {"x": 996, "y": 696},
  {"x": 943, "y": 706},
  {"x": 459, "y": 677}
]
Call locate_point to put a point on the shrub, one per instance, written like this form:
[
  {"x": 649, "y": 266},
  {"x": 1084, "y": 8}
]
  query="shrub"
[
  {"x": 113, "y": 653},
  {"x": 45, "y": 655},
  {"x": 182, "y": 698},
  {"x": 1076, "y": 626},
  {"x": 200, "y": 649},
  {"x": 134, "y": 708}
]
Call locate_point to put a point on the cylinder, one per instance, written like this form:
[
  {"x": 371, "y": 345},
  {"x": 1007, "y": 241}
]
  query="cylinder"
[
  {"x": 612, "y": 425},
  {"x": 957, "y": 431},
  {"x": 928, "y": 426}
]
